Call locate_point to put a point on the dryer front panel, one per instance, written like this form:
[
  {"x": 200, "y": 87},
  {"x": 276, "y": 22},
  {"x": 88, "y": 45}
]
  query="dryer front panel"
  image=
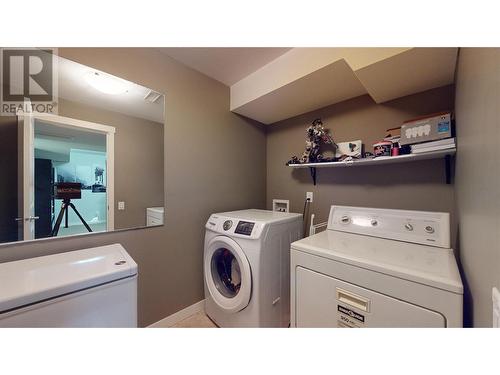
[{"x": 324, "y": 301}]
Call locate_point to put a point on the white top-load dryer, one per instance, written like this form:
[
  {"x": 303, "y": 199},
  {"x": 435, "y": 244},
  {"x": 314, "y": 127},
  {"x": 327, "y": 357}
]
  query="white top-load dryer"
[
  {"x": 377, "y": 268},
  {"x": 94, "y": 287},
  {"x": 247, "y": 267}
]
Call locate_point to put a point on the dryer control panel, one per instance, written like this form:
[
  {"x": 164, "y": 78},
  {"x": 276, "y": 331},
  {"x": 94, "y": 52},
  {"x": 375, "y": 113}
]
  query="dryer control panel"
[{"x": 428, "y": 228}]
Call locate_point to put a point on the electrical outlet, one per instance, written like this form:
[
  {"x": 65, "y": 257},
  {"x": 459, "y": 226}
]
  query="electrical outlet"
[
  {"x": 309, "y": 196},
  {"x": 121, "y": 205}
]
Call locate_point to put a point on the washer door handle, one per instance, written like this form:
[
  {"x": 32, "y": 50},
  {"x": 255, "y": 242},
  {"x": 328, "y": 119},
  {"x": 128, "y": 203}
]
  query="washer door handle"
[{"x": 29, "y": 218}]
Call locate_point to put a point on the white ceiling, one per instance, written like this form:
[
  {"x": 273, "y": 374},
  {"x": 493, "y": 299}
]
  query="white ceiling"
[
  {"x": 74, "y": 87},
  {"x": 227, "y": 65},
  {"x": 305, "y": 79}
]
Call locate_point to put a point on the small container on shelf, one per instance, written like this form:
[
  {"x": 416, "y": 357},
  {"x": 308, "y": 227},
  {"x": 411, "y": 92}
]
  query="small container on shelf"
[{"x": 382, "y": 148}]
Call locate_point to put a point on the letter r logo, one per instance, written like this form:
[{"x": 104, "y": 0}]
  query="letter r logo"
[{"x": 27, "y": 73}]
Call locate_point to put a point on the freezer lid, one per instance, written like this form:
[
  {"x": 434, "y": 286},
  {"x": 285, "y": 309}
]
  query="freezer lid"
[
  {"x": 28, "y": 281},
  {"x": 428, "y": 265}
]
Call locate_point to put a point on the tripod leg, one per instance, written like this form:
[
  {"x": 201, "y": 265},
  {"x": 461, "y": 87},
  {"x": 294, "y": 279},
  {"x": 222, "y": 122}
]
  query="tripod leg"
[
  {"x": 80, "y": 216},
  {"x": 66, "y": 218},
  {"x": 55, "y": 230}
]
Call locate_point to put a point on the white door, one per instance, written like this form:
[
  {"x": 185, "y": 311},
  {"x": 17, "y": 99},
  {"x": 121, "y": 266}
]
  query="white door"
[
  {"x": 227, "y": 274},
  {"x": 26, "y": 173}
]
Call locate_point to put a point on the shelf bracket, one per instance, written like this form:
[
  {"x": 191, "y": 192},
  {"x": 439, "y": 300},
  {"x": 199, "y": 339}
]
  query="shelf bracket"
[
  {"x": 447, "y": 166},
  {"x": 313, "y": 174}
]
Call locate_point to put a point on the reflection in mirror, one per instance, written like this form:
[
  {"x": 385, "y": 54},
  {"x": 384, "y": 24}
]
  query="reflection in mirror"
[{"x": 96, "y": 165}]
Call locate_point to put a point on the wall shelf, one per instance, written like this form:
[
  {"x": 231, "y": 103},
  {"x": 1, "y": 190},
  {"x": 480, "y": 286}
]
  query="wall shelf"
[{"x": 381, "y": 160}]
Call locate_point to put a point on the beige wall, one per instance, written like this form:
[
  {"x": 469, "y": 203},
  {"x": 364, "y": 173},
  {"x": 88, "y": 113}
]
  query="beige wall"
[
  {"x": 214, "y": 161},
  {"x": 478, "y": 177},
  {"x": 417, "y": 185},
  {"x": 138, "y": 160}
]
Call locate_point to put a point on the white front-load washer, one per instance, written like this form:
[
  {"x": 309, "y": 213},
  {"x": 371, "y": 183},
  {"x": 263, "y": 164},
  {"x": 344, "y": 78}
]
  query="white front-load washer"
[
  {"x": 377, "y": 268},
  {"x": 247, "y": 267}
]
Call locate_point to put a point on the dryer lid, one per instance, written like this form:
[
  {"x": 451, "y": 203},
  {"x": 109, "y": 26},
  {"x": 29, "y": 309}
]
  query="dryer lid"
[
  {"x": 428, "y": 265},
  {"x": 33, "y": 280}
]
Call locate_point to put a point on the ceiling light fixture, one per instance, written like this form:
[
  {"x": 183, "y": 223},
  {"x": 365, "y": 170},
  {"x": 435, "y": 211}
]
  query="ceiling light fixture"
[{"x": 107, "y": 83}]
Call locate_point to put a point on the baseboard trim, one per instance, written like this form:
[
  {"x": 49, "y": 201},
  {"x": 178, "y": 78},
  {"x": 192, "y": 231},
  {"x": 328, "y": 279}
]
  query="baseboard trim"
[{"x": 175, "y": 318}]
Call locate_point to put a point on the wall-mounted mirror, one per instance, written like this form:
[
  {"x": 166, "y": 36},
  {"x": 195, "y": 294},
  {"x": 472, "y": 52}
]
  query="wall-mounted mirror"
[{"x": 94, "y": 164}]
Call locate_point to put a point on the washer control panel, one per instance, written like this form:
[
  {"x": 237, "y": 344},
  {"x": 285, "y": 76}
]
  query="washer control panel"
[
  {"x": 429, "y": 228},
  {"x": 244, "y": 227},
  {"x": 235, "y": 227}
]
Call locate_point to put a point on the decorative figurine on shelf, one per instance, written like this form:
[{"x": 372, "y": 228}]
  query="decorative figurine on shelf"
[{"x": 316, "y": 134}]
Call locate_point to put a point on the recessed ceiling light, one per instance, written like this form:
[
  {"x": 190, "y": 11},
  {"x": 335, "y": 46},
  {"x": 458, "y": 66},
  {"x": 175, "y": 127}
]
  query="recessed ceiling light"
[{"x": 107, "y": 83}]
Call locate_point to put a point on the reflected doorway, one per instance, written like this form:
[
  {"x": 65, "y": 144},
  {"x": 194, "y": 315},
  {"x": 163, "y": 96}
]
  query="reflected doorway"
[{"x": 57, "y": 152}]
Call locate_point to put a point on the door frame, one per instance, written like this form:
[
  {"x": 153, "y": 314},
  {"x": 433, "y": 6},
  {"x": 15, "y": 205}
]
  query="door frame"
[
  {"x": 26, "y": 203},
  {"x": 108, "y": 131}
]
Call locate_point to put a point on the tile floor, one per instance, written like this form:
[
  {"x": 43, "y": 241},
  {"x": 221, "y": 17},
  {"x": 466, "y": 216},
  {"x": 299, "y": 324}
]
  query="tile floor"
[{"x": 198, "y": 320}]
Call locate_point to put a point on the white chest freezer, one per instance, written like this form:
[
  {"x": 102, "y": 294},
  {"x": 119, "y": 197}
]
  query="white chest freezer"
[{"x": 94, "y": 287}]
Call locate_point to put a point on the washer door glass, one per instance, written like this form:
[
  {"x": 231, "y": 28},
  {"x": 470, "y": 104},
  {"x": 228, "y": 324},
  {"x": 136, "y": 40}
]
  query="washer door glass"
[
  {"x": 226, "y": 272},
  {"x": 228, "y": 277}
]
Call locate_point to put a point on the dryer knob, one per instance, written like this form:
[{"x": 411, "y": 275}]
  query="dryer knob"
[{"x": 345, "y": 219}]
